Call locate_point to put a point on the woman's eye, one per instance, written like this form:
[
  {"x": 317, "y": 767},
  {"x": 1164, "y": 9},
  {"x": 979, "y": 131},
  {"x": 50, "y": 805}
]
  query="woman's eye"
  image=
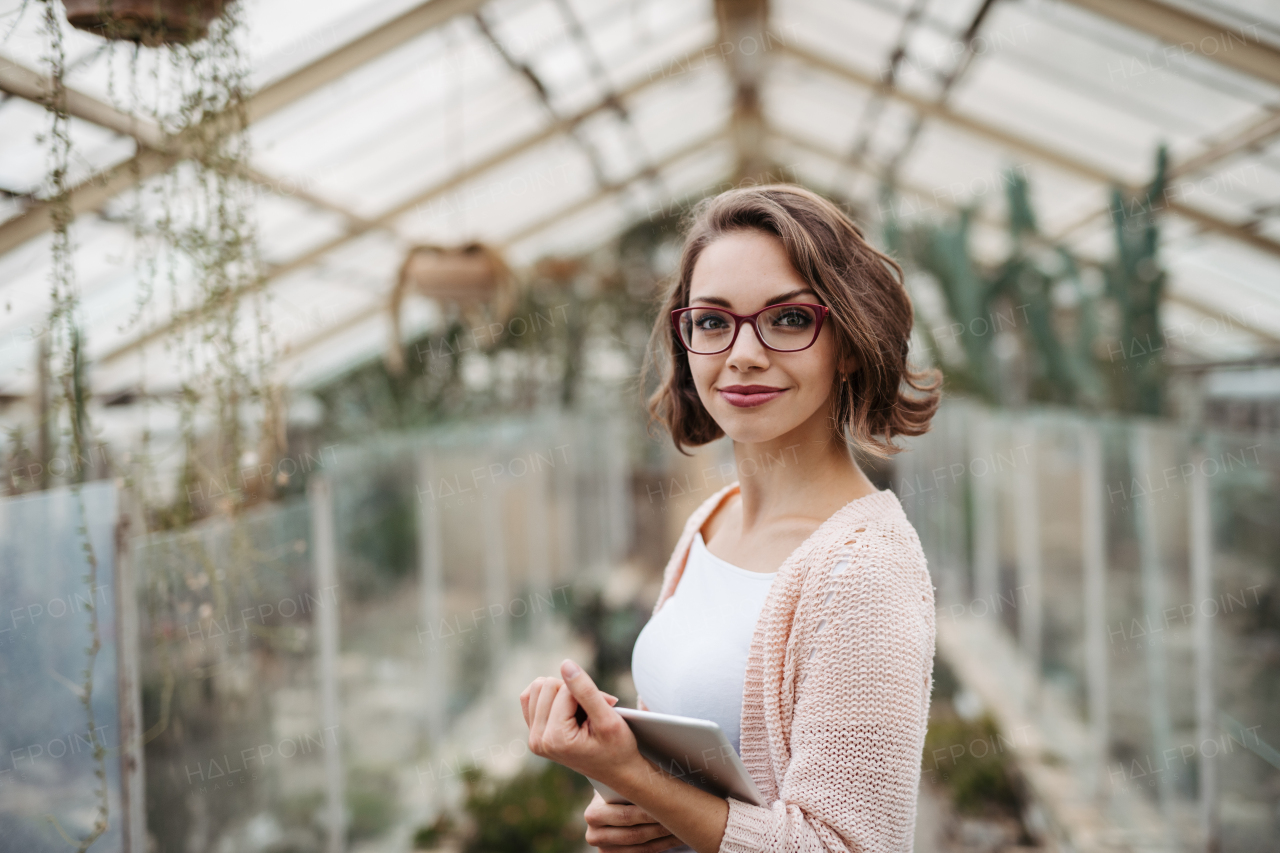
[
  {"x": 792, "y": 318},
  {"x": 710, "y": 321}
]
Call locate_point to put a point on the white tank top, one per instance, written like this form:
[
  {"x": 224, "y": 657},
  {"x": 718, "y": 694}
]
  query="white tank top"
[{"x": 691, "y": 657}]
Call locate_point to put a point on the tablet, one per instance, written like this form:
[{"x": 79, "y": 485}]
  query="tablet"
[{"x": 695, "y": 751}]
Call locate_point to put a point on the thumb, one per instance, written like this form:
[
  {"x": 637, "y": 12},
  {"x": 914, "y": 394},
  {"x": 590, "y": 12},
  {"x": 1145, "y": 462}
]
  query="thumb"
[{"x": 580, "y": 685}]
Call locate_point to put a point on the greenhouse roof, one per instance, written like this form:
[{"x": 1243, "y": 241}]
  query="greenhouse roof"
[{"x": 550, "y": 126}]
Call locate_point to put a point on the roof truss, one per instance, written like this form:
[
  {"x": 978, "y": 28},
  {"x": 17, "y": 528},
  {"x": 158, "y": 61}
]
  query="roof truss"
[
  {"x": 95, "y": 191},
  {"x": 748, "y": 128},
  {"x": 1234, "y": 48}
]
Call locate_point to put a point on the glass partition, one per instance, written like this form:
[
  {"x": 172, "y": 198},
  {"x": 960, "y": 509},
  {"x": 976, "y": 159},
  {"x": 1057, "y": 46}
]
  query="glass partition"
[
  {"x": 1133, "y": 568},
  {"x": 60, "y": 732},
  {"x": 317, "y": 672}
]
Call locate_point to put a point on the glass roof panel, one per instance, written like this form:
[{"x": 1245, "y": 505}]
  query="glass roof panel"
[
  {"x": 25, "y": 163},
  {"x": 615, "y": 144},
  {"x": 289, "y": 227},
  {"x": 383, "y": 135},
  {"x": 1260, "y": 20},
  {"x": 505, "y": 199},
  {"x": 565, "y": 72},
  {"x": 667, "y": 32},
  {"x": 285, "y": 35},
  {"x": 860, "y": 34},
  {"x": 680, "y": 109}
]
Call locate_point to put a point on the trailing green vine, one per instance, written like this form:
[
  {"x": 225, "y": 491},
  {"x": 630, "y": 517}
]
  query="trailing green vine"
[
  {"x": 65, "y": 348},
  {"x": 193, "y": 230},
  {"x": 95, "y": 644}
]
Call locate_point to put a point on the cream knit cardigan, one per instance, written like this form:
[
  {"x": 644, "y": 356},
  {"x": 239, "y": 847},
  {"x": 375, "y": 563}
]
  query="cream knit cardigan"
[{"x": 836, "y": 696}]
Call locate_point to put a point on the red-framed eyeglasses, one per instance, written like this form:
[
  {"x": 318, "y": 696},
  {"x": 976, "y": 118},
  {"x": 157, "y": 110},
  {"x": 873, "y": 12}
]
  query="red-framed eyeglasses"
[{"x": 788, "y": 327}]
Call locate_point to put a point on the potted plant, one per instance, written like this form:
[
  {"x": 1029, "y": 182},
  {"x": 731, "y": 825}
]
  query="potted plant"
[{"x": 149, "y": 22}]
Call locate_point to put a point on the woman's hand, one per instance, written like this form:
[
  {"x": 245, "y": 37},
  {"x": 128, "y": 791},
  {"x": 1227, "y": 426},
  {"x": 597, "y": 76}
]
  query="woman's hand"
[
  {"x": 536, "y": 684},
  {"x": 603, "y": 748},
  {"x": 625, "y": 829},
  {"x": 600, "y": 747}
]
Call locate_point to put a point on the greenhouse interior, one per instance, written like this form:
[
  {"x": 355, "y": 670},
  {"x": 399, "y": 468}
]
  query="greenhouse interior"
[{"x": 325, "y": 428}]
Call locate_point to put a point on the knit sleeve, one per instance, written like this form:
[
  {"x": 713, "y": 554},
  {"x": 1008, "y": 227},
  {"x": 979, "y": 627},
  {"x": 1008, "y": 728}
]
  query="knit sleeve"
[{"x": 861, "y": 662}]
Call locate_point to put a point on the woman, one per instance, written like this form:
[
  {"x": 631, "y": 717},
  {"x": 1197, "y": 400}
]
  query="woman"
[{"x": 796, "y": 610}]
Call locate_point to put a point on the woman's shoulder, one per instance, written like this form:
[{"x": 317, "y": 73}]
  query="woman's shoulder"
[
  {"x": 874, "y": 534},
  {"x": 877, "y": 519}
]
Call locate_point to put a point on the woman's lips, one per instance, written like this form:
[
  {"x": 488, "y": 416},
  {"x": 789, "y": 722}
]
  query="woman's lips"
[{"x": 748, "y": 396}]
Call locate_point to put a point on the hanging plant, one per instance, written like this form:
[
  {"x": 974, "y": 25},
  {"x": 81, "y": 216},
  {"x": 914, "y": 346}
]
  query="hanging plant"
[
  {"x": 197, "y": 238},
  {"x": 62, "y": 349},
  {"x": 470, "y": 278},
  {"x": 148, "y": 22},
  {"x": 195, "y": 234}
]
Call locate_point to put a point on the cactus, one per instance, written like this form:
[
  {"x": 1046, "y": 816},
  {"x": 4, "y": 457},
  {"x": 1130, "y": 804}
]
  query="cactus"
[
  {"x": 1036, "y": 292},
  {"x": 1135, "y": 282}
]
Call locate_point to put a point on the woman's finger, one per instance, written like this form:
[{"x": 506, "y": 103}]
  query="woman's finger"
[
  {"x": 625, "y": 836},
  {"x": 524, "y": 702},
  {"x": 535, "y": 689},
  {"x": 529, "y": 697},
  {"x": 584, "y": 692},
  {"x": 600, "y": 813},
  {"x": 541, "y": 713},
  {"x": 561, "y": 717},
  {"x": 657, "y": 845}
]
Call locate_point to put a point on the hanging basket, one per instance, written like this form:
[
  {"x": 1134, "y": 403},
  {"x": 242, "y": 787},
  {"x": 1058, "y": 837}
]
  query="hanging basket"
[
  {"x": 149, "y": 22},
  {"x": 473, "y": 277}
]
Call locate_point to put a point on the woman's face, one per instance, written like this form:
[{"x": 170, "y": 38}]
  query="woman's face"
[{"x": 757, "y": 395}]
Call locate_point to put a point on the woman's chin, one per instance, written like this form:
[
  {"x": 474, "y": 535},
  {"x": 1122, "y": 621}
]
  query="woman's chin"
[{"x": 753, "y": 429}]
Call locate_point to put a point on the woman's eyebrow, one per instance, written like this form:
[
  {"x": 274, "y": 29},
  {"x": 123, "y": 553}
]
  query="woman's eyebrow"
[
  {"x": 787, "y": 297},
  {"x": 772, "y": 300}
]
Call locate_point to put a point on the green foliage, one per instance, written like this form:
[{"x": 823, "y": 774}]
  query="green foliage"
[
  {"x": 612, "y": 632},
  {"x": 428, "y": 837},
  {"x": 383, "y": 533},
  {"x": 1037, "y": 294},
  {"x": 970, "y": 759},
  {"x": 1136, "y": 283},
  {"x": 371, "y": 802},
  {"x": 537, "y": 811},
  {"x": 567, "y": 311},
  {"x": 943, "y": 251},
  {"x": 1031, "y": 277}
]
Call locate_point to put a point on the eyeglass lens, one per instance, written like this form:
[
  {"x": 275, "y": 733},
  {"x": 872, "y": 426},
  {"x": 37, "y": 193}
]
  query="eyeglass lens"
[{"x": 785, "y": 328}]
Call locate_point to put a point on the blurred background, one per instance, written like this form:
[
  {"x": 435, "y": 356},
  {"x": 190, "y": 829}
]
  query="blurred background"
[{"x": 324, "y": 434}]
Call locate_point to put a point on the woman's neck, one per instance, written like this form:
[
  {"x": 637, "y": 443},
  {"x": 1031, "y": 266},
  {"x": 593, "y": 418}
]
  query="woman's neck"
[{"x": 808, "y": 472}]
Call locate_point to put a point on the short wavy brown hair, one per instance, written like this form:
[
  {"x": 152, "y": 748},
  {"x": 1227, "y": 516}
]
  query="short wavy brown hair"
[{"x": 871, "y": 318}]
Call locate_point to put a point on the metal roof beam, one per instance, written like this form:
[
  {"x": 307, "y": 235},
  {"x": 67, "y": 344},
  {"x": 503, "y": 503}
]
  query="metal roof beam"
[
  {"x": 1236, "y": 49},
  {"x": 946, "y": 82},
  {"x": 861, "y": 164},
  {"x": 365, "y": 314},
  {"x": 579, "y": 35},
  {"x": 31, "y": 85},
  {"x": 740, "y": 20},
  {"x": 987, "y": 219},
  {"x": 1014, "y": 142},
  {"x": 594, "y": 160},
  {"x": 368, "y": 47},
  {"x": 1251, "y": 137},
  {"x": 612, "y": 189},
  {"x": 96, "y": 190},
  {"x": 1204, "y": 309},
  {"x": 680, "y": 65}
]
